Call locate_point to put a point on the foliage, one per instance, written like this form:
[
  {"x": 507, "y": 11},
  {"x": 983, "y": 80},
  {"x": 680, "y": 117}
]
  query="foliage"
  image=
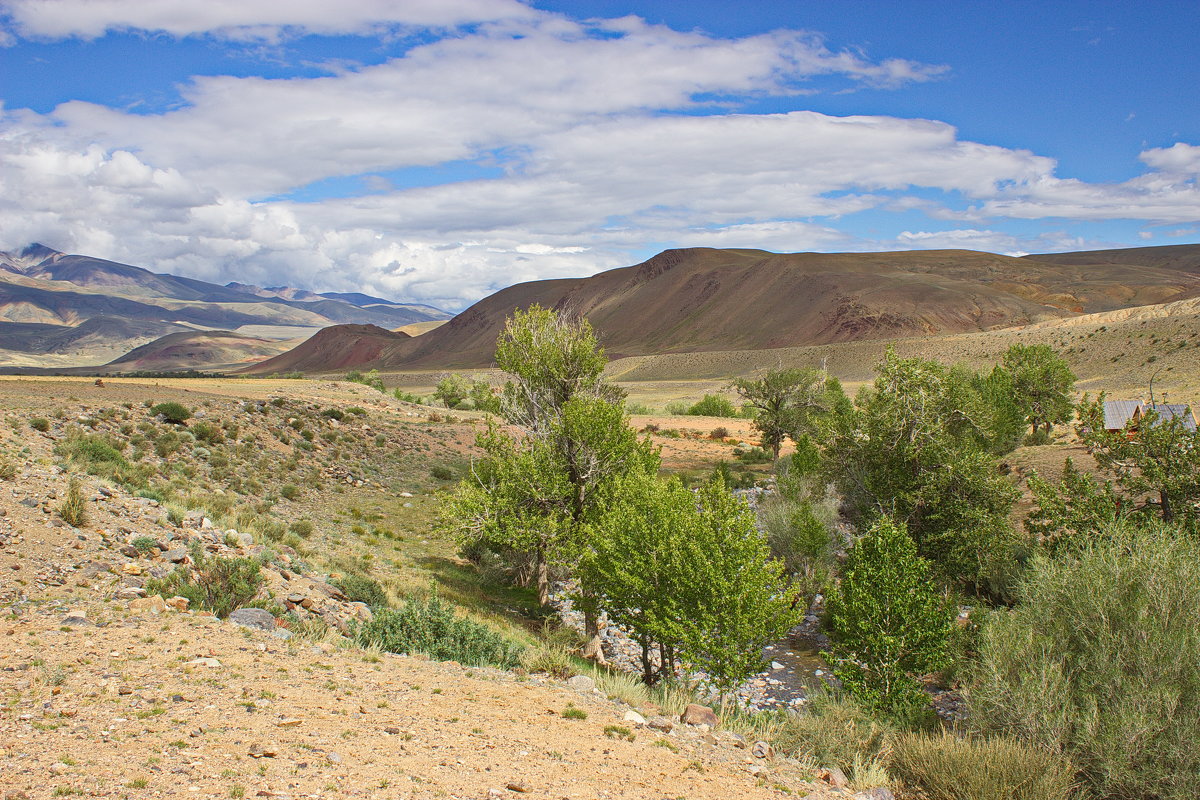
[
  {"x": 834, "y": 730},
  {"x": 888, "y": 622},
  {"x": 483, "y": 398},
  {"x": 1098, "y": 662},
  {"x": 40, "y": 424},
  {"x": 431, "y": 626},
  {"x": 945, "y": 767},
  {"x": 208, "y": 432},
  {"x": 89, "y": 450},
  {"x": 370, "y": 378},
  {"x": 1073, "y": 511},
  {"x": 713, "y": 405},
  {"x": 915, "y": 447},
  {"x": 789, "y": 402},
  {"x": 441, "y": 472},
  {"x": 691, "y": 572},
  {"x": 405, "y": 397},
  {"x": 798, "y": 519},
  {"x": 1042, "y": 383},
  {"x": 452, "y": 390},
  {"x": 1153, "y": 456},
  {"x": 174, "y": 413},
  {"x": 8, "y": 468},
  {"x": 73, "y": 508},
  {"x": 361, "y": 589},
  {"x": 221, "y": 585}
]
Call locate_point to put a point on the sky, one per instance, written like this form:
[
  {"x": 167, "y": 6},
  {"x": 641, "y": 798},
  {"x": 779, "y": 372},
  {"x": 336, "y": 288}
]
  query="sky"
[{"x": 438, "y": 150}]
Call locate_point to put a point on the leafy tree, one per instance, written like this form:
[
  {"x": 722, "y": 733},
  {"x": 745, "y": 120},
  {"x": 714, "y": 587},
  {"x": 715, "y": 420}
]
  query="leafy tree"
[
  {"x": 914, "y": 448},
  {"x": 1153, "y": 456},
  {"x": 787, "y": 402},
  {"x": 1042, "y": 383},
  {"x": 537, "y": 490},
  {"x": 452, "y": 390},
  {"x": 1073, "y": 511},
  {"x": 888, "y": 621},
  {"x": 483, "y": 398},
  {"x": 712, "y": 405},
  {"x": 690, "y": 572}
]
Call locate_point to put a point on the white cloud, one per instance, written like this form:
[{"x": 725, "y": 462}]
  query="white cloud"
[{"x": 249, "y": 19}]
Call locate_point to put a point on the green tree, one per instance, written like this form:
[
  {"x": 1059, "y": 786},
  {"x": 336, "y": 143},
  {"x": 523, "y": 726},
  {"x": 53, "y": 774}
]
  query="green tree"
[
  {"x": 483, "y": 398},
  {"x": 452, "y": 390},
  {"x": 787, "y": 402},
  {"x": 1042, "y": 383},
  {"x": 690, "y": 572},
  {"x": 915, "y": 448},
  {"x": 1153, "y": 456},
  {"x": 1074, "y": 510},
  {"x": 888, "y": 621}
]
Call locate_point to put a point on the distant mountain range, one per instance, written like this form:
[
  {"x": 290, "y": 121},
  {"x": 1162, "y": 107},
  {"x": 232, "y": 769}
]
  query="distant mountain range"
[
  {"x": 58, "y": 309},
  {"x": 701, "y": 299}
]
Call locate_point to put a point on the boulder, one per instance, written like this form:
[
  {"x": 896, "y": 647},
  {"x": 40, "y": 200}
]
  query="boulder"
[
  {"x": 696, "y": 714},
  {"x": 253, "y": 618},
  {"x": 153, "y": 604},
  {"x": 581, "y": 682}
]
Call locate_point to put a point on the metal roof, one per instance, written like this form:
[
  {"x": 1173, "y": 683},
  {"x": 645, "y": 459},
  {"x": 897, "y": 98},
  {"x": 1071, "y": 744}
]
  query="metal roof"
[
  {"x": 1169, "y": 411},
  {"x": 1119, "y": 412}
]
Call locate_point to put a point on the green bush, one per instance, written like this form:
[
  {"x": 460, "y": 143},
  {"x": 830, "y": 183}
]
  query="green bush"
[
  {"x": 145, "y": 544},
  {"x": 73, "y": 509},
  {"x": 221, "y": 585},
  {"x": 405, "y": 397},
  {"x": 361, "y": 589},
  {"x": 677, "y": 409},
  {"x": 945, "y": 767},
  {"x": 174, "y": 413},
  {"x": 442, "y": 472},
  {"x": 289, "y": 491},
  {"x": 334, "y": 413},
  {"x": 302, "y": 528},
  {"x": 40, "y": 424},
  {"x": 1098, "y": 662},
  {"x": 8, "y": 468},
  {"x": 713, "y": 405},
  {"x": 208, "y": 432},
  {"x": 755, "y": 455},
  {"x": 888, "y": 622},
  {"x": 431, "y": 626},
  {"x": 90, "y": 450}
]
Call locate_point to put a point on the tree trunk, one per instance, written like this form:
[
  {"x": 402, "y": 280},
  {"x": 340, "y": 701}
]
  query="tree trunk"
[
  {"x": 666, "y": 662},
  {"x": 647, "y": 668},
  {"x": 542, "y": 571},
  {"x": 591, "y": 632},
  {"x": 1168, "y": 513}
]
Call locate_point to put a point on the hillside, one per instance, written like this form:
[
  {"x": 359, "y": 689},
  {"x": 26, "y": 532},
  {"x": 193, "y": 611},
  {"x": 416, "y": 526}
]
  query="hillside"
[
  {"x": 700, "y": 299},
  {"x": 43, "y": 287},
  {"x": 197, "y": 350},
  {"x": 335, "y": 348}
]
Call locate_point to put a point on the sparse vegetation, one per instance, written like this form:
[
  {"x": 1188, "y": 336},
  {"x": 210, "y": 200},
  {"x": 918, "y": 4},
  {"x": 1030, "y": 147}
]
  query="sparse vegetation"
[{"x": 220, "y": 585}]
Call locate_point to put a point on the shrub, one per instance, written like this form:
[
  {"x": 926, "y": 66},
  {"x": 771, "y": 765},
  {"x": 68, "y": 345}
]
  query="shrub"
[
  {"x": 174, "y": 413},
  {"x": 221, "y": 585},
  {"x": 357, "y": 411},
  {"x": 945, "y": 767},
  {"x": 8, "y": 468},
  {"x": 73, "y": 508},
  {"x": 713, "y": 405},
  {"x": 145, "y": 544},
  {"x": 405, "y": 397},
  {"x": 1098, "y": 662},
  {"x": 90, "y": 451},
  {"x": 361, "y": 589},
  {"x": 834, "y": 730},
  {"x": 431, "y": 626},
  {"x": 755, "y": 455},
  {"x": 719, "y": 433},
  {"x": 40, "y": 424},
  {"x": 334, "y": 413},
  {"x": 208, "y": 432},
  {"x": 888, "y": 622},
  {"x": 289, "y": 491},
  {"x": 677, "y": 409},
  {"x": 442, "y": 472},
  {"x": 302, "y": 528}
]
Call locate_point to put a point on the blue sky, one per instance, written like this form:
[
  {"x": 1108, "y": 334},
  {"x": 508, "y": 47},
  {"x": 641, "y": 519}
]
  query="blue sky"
[{"x": 437, "y": 150}]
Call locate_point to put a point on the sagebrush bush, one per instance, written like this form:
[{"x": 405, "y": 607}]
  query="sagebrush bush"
[
  {"x": 713, "y": 405},
  {"x": 442, "y": 472},
  {"x": 1098, "y": 661},
  {"x": 361, "y": 589},
  {"x": 90, "y": 450},
  {"x": 208, "y": 432},
  {"x": 8, "y": 468},
  {"x": 431, "y": 626},
  {"x": 221, "y": 585},
  {"x": 946, "y": 767},
  {"x": 833, "y": 730},
  {"x": 40, "y": 424},
  {"x": 174, "y": 413}
]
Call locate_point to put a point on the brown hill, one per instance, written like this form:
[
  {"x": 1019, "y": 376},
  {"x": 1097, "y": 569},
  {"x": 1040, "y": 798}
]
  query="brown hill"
[
  {"x": 336, "y": 347},
  {"x": 701, "y": 299},
  {"x": 199, "y": 350}
]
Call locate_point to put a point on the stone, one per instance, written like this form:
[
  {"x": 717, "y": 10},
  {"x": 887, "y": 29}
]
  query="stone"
[
  {"x": 295, "y": 598},
  {"x": 878, "y": 793},
  {"x": 833, "y": 777},
  {"x": 176, "y": 555},
  {"x": 153, "y": 604},
  {"x": 696, "y": 714},
  {"x": 581, "y": 682},
  {"x": 129, "y": 551},
  {"x": 179, "y": 603},
  {"x": 130, "y": 593},
  {"x": 203, "y": 661},
  {"x": 361, "y": 611},
  {"x": 634, "y": 717},
  {"x": 263, "y": 750},
  {"x": 132, "y": 569},
  {"x": 76, "y": 619},
  {"x": 253, "y": 618},
  {"x": 289, "y": 722},
  {"x": 762, "y": 750},
  {"x": 282, "y": 633},
  {"x": 661, "y": 724},
  {"x": 517, "y": 786},
  {"x": 244, "y": 539}
]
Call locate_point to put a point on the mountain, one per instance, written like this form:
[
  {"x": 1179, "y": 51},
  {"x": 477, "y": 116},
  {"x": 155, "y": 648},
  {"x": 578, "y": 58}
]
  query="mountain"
[
  {"x": 42, "y": 286},
  {"x": 338, "y": 347},
  {"x": 702, "y": 299},
  {"x": 199, "y": 350}
]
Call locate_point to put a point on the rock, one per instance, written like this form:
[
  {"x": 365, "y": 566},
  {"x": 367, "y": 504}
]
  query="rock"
[
  {"x": 333, "y": 758},
  {"x": 263, "y": 750},
  {"x": 634, "y": 717},
  {"x": 776, "y": 665},
  {"x": 289, "y": 722},
  {"x": 878, "y": 793},
  {"x": 282, "y": 633},
  {"x": 833, "y": 777},
  {"x": 581, "y": 682},
  {"x": 176, "y": 555},
  {"x": 76, "y": 619},
  {"x": 243, "y": 539},
  {"x": 132, "y": 569},
  {"x": 295, "y": 598},
  {"x": 129, "y": 551},
  {"x": 517, "y": 786},
  {"x": 131, "y": 593},
  {"x": 762, "y": 750},
  {"x": 253, "y": 618},
  {"x": 661, "y": 724},
  {"x": 203, "y": 662},
  {"x": 699, "y": 715},
  {"x": 179, "y": 603},
  {"x": 154, "y": 604},
  {"x": 361, "y": 611}
]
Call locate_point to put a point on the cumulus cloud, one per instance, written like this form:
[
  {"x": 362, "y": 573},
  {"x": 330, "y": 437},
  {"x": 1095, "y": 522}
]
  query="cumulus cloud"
[{"x": 242, "y": 20}]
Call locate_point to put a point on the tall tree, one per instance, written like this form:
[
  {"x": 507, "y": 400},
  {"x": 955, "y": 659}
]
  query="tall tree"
[
  {"x": 787, "y": 402},
  {"x": 1042, "y": 383}
]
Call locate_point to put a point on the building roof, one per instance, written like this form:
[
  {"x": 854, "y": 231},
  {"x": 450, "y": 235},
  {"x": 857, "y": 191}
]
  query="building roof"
[
  {"x": 1169, "y": 411},
  {"x": 1118, "y": 413}
]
